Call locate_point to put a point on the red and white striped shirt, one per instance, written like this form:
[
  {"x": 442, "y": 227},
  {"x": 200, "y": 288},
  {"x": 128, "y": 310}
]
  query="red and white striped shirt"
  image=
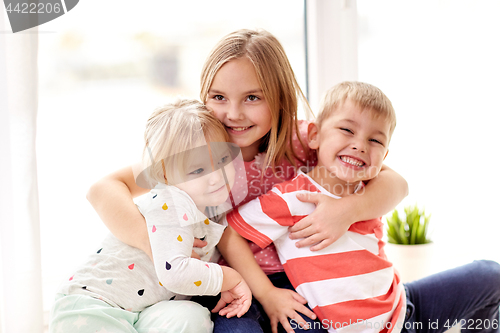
[{"x": 350, "y": 285}]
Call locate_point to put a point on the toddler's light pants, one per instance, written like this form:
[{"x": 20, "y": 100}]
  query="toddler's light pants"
[{"x": 85, "y": 314}]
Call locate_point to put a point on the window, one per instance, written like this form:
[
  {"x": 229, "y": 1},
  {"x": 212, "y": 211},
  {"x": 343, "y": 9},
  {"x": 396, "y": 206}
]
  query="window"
[{"x": 104, "y": 67}]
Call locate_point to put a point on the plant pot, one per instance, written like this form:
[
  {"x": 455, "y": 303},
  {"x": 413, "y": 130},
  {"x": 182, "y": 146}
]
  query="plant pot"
[{"x": 413, "y": 262}]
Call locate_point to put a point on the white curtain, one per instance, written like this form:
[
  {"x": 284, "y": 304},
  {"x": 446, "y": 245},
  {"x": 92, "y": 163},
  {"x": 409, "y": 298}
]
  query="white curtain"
[{"x": 20, "y": 267}]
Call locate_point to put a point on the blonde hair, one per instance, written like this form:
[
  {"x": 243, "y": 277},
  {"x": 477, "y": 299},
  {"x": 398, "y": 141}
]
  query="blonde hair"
[
  {"x": 364, "y": 95},
  {"x": 278, "y": 83},
  {"x": 173, "y": 128}
]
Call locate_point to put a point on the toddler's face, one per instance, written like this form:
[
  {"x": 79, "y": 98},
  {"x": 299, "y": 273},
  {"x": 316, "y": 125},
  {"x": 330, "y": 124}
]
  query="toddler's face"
[
  {"x": 209, "y": 175},
  {"x": 352, "y": 143}
]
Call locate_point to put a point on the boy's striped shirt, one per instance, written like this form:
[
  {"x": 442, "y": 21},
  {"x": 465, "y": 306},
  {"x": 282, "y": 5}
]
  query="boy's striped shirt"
[{"x": 350, "y": 285}]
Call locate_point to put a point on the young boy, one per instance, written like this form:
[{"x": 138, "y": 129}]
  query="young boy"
[{"x": 350, "y": 285}]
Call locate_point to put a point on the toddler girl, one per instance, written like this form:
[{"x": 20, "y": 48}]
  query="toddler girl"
[{"x": 192, "y": 169}]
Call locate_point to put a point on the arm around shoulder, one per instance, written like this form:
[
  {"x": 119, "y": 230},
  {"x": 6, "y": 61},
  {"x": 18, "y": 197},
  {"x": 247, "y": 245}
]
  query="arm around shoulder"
[
  {"x": 112, "y": 199},
  {"x": 376, "y": 199},
  {"x": 381, "y": 194}
]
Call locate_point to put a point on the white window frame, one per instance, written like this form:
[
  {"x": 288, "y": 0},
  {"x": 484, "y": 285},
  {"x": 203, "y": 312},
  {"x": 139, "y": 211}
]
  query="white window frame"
[{"x": 331, "y": 45}]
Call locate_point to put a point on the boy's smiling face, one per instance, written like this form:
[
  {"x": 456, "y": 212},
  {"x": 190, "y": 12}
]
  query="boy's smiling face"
[{"x": 352, "y": 144}]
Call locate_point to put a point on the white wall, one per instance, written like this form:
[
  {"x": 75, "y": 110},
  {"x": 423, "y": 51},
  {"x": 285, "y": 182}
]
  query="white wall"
[{"x": 438, "y": 61}]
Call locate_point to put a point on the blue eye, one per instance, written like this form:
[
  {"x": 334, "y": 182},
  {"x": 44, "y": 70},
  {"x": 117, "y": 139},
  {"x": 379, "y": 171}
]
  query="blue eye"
[
  {"x": 224, "y": 159},
  {"x": 196, "y": 172}
]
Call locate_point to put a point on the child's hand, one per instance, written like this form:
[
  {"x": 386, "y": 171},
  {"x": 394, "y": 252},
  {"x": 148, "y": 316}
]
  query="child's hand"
[
  {"x": 235, "y": 301},
  {"x": 281, "y": 304},
  {"x": 325, "y": 225},
  {"x": 197, "y": 243}
]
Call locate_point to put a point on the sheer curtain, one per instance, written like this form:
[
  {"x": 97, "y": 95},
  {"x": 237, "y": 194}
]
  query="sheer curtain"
[{"x": 20, "y": 268}]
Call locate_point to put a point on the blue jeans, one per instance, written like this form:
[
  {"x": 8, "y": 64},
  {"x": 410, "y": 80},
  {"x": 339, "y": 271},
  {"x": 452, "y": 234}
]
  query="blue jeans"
[{"x": 469, "y": 294}]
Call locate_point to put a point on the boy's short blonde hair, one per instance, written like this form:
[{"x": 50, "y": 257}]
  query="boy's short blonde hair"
[
  {"x": 174, "y": 128},
  {"x": 364, "y": 95}
]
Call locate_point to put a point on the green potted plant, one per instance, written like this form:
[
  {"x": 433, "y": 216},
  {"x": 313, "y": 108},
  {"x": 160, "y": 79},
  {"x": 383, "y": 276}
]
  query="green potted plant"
[
  {"x": 409, "y": 246},
  {"x": 412, "y": 229}
]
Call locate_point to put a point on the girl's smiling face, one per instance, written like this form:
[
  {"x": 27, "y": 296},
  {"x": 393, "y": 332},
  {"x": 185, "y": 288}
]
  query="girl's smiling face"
[
  {"x": 352, "y": 143},
  {"x": 239, "y": 103}
]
